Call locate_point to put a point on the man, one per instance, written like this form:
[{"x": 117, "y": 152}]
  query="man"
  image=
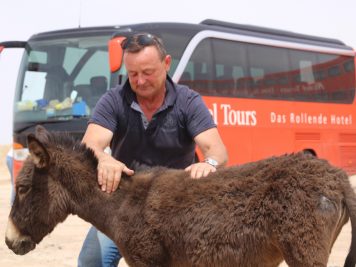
[{"x": 149, "y": 121}]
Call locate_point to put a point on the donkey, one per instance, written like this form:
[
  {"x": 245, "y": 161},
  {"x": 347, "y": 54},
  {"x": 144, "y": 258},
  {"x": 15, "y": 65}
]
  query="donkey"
[{"x": 290, "y": 207}]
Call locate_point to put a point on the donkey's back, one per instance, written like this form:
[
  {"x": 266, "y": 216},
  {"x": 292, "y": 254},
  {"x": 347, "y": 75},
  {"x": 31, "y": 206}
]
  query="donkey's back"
[{"x": 290, "y": 207}]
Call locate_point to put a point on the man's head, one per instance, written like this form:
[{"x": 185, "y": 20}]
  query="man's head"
[{"x": 147, "y": 64}]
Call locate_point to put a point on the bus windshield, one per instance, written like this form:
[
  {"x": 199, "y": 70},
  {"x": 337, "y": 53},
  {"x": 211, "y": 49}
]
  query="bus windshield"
[{"x": 61, "y": 78}]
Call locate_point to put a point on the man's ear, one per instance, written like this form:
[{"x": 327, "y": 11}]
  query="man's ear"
[
  {"x": 38, "y": 152},
  {"x": 41, "y": 134}
]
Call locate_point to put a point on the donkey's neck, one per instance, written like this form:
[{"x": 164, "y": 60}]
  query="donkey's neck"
[{"x": 87, "y": 200}]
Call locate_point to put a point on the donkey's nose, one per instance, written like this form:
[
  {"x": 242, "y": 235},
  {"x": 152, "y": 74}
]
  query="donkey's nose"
[
  {"x": 22, "y": 246},
  {"x": 18, "y": 243}
]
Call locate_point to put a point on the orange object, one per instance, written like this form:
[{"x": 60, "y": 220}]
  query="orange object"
[{"x": 115, "y": 53}]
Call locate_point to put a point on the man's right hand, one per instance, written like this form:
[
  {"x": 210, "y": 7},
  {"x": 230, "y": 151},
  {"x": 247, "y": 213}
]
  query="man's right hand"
[{"x": 110, "y": 171}]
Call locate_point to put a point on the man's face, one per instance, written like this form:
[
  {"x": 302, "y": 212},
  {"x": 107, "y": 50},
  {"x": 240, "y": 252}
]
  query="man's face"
[{"x": 147, "y": 72}]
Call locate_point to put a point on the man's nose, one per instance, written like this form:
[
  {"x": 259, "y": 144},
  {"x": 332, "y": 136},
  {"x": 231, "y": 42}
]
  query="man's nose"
[{"x": 140, "y": 79}]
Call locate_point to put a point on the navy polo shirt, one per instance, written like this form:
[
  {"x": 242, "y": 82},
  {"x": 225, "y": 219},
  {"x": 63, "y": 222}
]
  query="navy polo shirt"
[{"x": 167, "y": 140}]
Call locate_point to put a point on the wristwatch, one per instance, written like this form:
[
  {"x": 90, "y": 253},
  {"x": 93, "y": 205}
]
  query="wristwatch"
[{"x": 212, "y": 162}]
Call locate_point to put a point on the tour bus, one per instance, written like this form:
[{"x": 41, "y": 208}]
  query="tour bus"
[{"x": 269, "y": 91}]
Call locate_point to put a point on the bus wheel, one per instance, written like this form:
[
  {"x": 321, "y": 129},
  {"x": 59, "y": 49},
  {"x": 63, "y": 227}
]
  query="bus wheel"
[{"x": 309, "y": 152}]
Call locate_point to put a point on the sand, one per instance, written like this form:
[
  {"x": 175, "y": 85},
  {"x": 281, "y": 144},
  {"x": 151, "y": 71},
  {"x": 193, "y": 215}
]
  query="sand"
[{"x": 61, "y": 248}]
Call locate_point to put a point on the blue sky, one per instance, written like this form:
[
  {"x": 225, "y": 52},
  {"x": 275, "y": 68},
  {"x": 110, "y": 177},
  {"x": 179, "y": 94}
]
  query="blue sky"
[{"x": 20, "y": 19}]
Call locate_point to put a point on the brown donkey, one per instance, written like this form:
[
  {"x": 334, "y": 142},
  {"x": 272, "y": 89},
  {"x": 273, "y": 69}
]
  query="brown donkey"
[{"x": 290, "y": 207}]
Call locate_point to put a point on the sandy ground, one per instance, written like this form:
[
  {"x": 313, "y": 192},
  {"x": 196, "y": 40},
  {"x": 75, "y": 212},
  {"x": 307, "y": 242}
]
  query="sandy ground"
[{"x": 62, "y": 246}]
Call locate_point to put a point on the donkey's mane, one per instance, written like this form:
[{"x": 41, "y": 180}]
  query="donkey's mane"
[
  {"x": 68, "y": 144},
  {"x": 64, "y": 141}
]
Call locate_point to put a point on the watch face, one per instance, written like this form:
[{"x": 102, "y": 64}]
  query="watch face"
[{"x": 212, "y": 162}]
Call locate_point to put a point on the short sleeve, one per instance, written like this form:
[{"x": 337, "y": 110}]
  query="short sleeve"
[
  {"x": 198, "y": 117},
  {"x": 106, "y": 111}
]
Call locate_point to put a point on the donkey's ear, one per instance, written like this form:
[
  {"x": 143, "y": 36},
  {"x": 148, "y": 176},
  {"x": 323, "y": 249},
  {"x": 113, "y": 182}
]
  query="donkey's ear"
[
  {"x": 38, "y": 152},
  {"x": 41, "y": 133}
]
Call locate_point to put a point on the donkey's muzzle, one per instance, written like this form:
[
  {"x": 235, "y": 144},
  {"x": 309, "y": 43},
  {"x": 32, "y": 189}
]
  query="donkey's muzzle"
[
  {"x": 18, "y": 243},
  {"x": 20, "y": 246}
]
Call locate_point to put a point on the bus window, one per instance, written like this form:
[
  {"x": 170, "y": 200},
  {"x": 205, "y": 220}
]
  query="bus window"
[
  {"x": 201, "y": 67},
  {"x": 92, "y": 80},
  {"x": 230, "y": 62},
  {"x": 39, "y": 57},
  {"x": 334, "y": 71},
  {"x": 306, "y": 71},
  {"x": 33, "y": 86},
  {"x": 349, "y": 66},
  {"x": 319, "y": 75},
  {"x": 237, "y": 72},
  {"x": 53, "y": 69},
  {"x": 34, "y": 83},
  {"x": 265, "y": 64},
  {"x": 188, "y": 74},
  {"x": 72, "y": 57},
  {"x": 96, "y": 65},
  {"x": 220, "y": 71}
]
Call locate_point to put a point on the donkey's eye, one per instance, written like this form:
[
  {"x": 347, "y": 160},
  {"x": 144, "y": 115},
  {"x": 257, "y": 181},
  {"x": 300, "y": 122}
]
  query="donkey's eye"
[{"x": 22, "y": 189}]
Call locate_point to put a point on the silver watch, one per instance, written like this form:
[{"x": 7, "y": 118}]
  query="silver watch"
[{"x": 212, "y": 162}]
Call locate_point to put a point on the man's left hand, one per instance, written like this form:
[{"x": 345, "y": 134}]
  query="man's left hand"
[{"x": 200, "y": 169}]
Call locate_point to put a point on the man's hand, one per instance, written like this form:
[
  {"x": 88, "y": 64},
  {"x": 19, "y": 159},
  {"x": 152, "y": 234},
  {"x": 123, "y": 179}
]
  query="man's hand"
[
  {"x": 200, "y": 169},
  {"x": 110, "y": 171}
]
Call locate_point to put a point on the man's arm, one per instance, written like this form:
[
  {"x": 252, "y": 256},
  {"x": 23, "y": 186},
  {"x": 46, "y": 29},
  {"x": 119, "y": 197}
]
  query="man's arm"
[
  {"x": 109, "y": 169},
  {"x": 211, "y": 145}
]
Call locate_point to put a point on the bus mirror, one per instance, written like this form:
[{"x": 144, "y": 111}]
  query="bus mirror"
[
  {"x": 115, "y": 53},
  {"x": 12, "y": 44}
]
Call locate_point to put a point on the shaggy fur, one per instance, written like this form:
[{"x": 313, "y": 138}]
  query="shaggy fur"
[{"x": 290, "y": 207}]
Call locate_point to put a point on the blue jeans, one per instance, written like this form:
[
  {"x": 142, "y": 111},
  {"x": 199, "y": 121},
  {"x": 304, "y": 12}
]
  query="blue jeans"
[
  {"x": 10, "y": 163},
  {"x": 98, "y": 251}
]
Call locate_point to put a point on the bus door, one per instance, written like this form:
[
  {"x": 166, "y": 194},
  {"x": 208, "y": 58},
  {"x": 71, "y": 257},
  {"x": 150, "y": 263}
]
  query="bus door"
[{"x": 19, "y": 152}]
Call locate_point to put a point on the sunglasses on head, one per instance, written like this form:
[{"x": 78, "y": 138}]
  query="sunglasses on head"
[{"x": 144, "y": 39}]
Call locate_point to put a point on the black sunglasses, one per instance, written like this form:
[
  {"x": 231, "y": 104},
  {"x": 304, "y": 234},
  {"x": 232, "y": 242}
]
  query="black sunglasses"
[{"x": 142, "y": 40}]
